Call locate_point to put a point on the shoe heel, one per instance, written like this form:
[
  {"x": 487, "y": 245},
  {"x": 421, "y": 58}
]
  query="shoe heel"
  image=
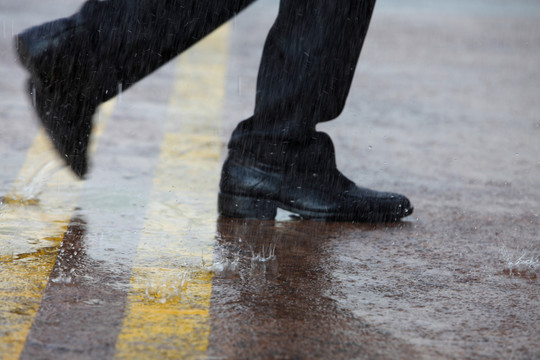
[{"x": 246, "y": 207}]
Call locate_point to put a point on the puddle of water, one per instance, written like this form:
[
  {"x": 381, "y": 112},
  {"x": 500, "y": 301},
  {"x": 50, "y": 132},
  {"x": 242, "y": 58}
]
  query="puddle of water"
[{"x": 251, "y": 246}]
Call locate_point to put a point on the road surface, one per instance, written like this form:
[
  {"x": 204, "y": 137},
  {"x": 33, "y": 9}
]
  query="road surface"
[{"x": 135, "y": 263}]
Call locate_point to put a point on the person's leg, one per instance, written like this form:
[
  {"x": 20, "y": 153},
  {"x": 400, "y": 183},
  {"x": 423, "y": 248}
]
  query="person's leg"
[
  {"x": 276, "y": 157},
  {"x": 80, "y": 61},
  {"x": 307, "y": 66}
]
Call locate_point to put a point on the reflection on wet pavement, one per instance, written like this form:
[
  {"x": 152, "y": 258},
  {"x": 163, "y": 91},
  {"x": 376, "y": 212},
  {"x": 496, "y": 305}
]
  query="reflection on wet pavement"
[
  {"x": 82, "y": 289},
  {"x": 133, "y": 264},
  {"x": 280, "y": 305},
  {"x": 35, "y": 216}
]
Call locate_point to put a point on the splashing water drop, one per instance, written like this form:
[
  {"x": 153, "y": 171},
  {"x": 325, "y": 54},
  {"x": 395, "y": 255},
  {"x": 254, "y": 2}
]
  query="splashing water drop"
[{"x": 27, "y": 191}]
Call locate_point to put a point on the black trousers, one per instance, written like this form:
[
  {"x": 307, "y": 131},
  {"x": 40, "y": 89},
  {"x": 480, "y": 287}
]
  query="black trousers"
[{"x": 307, "y": 65}]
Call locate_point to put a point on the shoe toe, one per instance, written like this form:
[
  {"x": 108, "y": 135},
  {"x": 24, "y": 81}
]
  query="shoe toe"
[{"x": 400, "y": 206}]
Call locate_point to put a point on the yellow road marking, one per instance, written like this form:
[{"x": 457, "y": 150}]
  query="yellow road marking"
[
  {"x": 168, "y": 306},
  {"x": 33, "y": 221}
]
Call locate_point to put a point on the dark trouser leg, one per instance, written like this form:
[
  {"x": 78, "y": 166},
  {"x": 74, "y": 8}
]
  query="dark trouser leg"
[
  {"x": 114, "y": 42},
  {"x": 78, "y": 62},
  {"x": 306, "y": 70},
  {"x": 277, "y": 158},
  {"x": 137, "y": 37}
]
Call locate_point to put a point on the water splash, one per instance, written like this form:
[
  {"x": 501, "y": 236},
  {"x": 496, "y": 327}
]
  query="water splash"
[
  {"x": 62, "y": 278},
  {"x": 266, "y": 254},
  {"x": 165, "y": 288},
  {"x": 523, "y": 263},
  {"x": 65, "y": 276},
  {"x": 28, "y": 190},
  {"x": 223, "y": 266}
]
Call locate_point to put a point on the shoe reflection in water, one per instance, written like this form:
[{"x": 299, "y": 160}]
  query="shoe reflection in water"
[
  {"x": 83, "y": 303},
  {"x": 280, "y": 306}
]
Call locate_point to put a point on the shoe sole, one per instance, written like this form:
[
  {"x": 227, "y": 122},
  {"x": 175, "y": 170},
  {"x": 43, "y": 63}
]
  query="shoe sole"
[{"x": 248, "y": 207}]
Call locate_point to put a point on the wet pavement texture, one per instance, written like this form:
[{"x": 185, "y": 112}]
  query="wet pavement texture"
[{"x": 135, "y": 263}]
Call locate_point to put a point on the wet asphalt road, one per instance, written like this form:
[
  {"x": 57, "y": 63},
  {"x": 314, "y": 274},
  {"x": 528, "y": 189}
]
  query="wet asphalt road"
[{"x": 134, "y": 263}]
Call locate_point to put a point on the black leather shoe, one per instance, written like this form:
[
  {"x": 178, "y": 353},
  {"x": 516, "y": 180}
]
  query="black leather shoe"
[
  {"x": 310, "y": 186},
  {"x": 59, "y": 86},
  {"x": 78, "y": 62}
]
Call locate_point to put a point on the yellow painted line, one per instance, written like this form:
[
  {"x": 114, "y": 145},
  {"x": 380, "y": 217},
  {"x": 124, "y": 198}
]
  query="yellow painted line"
[
  {"x": 168, "y": 306},
  {"x": 33, "y": 220}
]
